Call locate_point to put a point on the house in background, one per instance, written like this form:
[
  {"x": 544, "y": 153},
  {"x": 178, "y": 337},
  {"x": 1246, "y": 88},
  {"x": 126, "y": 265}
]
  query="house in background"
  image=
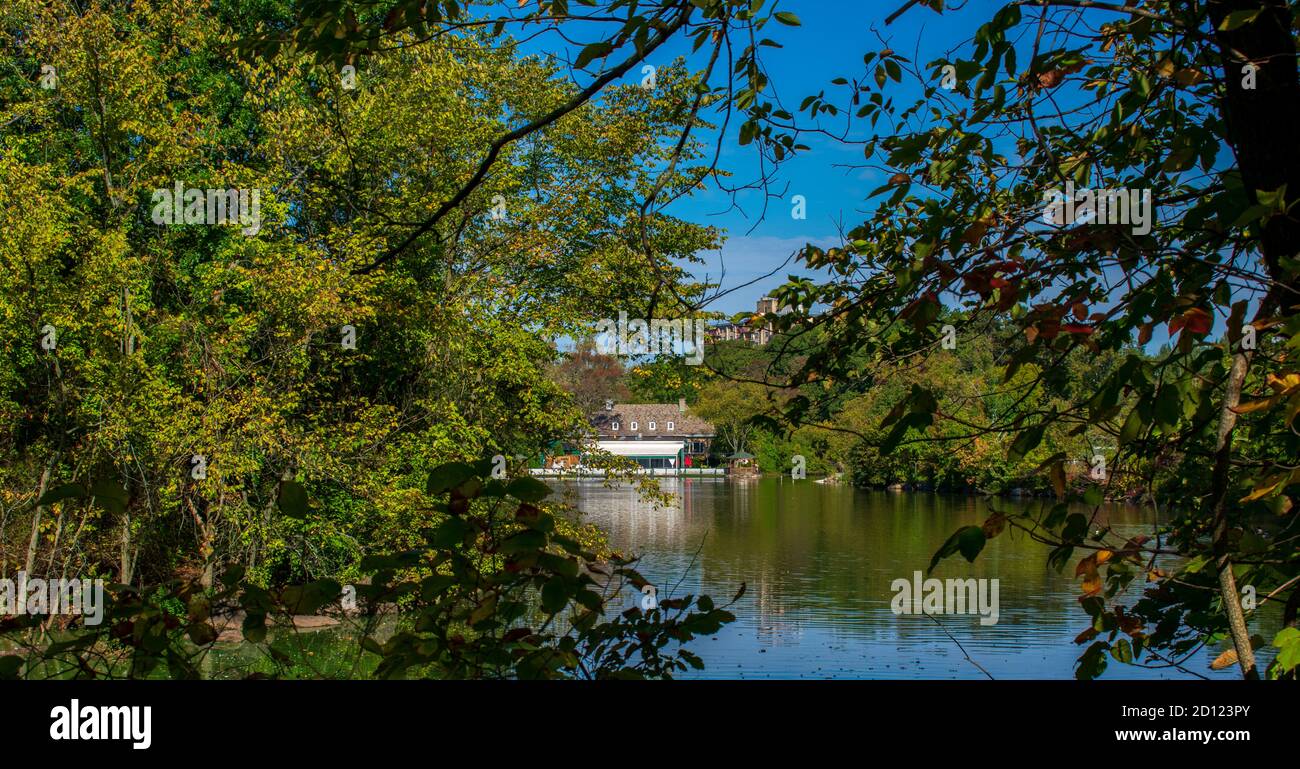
[
  {"x": 754, "y": 333},
  {"x": 663, "y": 438}
]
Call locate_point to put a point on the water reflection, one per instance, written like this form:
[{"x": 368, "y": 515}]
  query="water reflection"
[{"x": 819, "y": 561}]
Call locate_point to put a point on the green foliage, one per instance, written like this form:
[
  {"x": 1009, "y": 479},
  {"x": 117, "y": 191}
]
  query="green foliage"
[
  {"x": 499, "y": 587},
  {"x": 180, "y": 340},
  {"x": 497, "y": 591}
]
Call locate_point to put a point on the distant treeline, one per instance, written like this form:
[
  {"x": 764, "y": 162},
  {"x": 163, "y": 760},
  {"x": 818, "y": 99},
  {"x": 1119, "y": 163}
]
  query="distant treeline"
[{"x": 845, "y": 427}]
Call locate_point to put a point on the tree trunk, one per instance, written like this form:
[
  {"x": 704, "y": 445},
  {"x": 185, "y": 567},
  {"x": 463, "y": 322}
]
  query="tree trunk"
[
  {"x": 126, "y": 567},
  {"x": 36, "y": 517},
  {"x": 1228, "y": 592},
  {"x": 206, "y": 534}
]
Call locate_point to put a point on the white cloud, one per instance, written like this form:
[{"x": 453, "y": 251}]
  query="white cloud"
[{"x": 749, "y": 258}]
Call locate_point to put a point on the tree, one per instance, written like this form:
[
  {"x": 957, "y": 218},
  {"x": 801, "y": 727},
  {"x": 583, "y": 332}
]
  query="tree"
[
  {"x": 591, "y": 377},
  {"x": 1170, "y": 101},
  {"x": 731, "y": 407},
  {"x": 196, "y": 367}
]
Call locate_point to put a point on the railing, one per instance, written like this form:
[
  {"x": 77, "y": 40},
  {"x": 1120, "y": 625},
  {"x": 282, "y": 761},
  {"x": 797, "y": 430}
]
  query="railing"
[{"x": 595, "y": 472}]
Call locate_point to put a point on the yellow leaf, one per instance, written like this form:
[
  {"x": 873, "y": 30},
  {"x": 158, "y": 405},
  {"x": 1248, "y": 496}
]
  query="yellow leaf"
[
  {"x": 1225, "y": 660},
  {"x": 1266, "y": 486},
  {"x": 1283, "y": 384},
  {"x": 1253, "y": 406}
]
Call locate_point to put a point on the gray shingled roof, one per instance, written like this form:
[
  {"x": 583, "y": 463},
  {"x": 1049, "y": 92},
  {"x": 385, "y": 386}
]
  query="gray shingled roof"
[{"x": 684, "y": 425}]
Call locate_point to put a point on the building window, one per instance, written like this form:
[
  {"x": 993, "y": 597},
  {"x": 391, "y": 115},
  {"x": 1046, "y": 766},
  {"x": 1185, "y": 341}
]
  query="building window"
[
  {"x": 651, "y": 426},
  {"x": 613, "y": 426},
  {"x": 672, "y": 426},
  {"x": 633, "y": 426}
]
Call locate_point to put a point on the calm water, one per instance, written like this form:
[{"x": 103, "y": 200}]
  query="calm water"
[{"x": 819, "y": 561}]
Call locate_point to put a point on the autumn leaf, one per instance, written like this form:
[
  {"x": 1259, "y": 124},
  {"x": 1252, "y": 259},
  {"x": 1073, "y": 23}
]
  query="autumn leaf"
[
  {"x": 1229, "y": 657},
  {"x": 1270, "y": 483},
  {"x": 1256, "y": 405},
  {"x": 1053, "y": 78},
  {"x": 1225, "y": 660},
  {"x": 1283, "y": 385},
  {"x": 1196, "y": 321},
  {"x": 975, "y": 233},
  {"x": 1087, "y": 568}
]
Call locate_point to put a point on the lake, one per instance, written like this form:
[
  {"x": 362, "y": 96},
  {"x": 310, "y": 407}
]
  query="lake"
[{"x": 819, "y": 561}]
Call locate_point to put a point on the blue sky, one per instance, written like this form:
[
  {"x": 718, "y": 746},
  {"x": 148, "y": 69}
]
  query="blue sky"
[{"x": 830, "y": 43}]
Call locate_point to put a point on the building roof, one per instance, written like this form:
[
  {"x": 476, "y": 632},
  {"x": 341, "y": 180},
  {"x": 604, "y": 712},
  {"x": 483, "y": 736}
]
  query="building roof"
[{"x": 685, "y": 425}]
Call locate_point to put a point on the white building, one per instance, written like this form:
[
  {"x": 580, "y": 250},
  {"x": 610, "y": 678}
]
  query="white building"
[{"x": 660, "y": 437}]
